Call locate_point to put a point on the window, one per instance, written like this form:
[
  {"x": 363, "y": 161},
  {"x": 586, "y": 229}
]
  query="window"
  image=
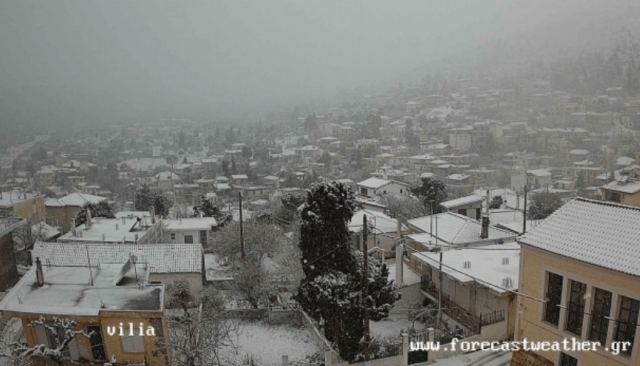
[
  {"x": 203, "y": 237},
  {"x": 575, "y": 309},
  {"x": 566, "y": 360},
  {"x": 462, "y": 211},
  {"x": 553, "y": 297},
  {"x": 626, "y": 323},
  {"x": 188, "y": 239},
  {"x": 132, "y": 343},
  {"x": 95, "y": 340},
  {"x": 363, "y": 191},
  {"x": 599, "y": 314},
  {"x": 173, "y": 236}
]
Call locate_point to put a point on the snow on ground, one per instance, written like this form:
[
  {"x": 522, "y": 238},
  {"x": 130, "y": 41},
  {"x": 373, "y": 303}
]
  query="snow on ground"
[
  {"x": 267, "y": 344},
  {"x": 409, "y": 277},
  {"x": 398, "y": 320},
  {"x": 479, "y": 358},
  {"x": 215, "y": 269}
]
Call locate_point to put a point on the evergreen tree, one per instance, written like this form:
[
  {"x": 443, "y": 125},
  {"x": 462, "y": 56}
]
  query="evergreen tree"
[
  {"x": 543, "y": 205},
  {"x": 431, "y": 190},
  {"x": 206, "y": 208},
  {"x": 101, "y": 209},
  {"x": 496, "y": 202},
  {"x": 147, "y": 200},
  {"x": 332, "y": 287}
]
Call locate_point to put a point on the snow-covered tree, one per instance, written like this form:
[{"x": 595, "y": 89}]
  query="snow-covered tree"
[
  {"x": 431, "y": 190},
  {"x": 60, "y": 332},
  {"x": 332, "y": 288},
  {"x": 200, "y": 335}
]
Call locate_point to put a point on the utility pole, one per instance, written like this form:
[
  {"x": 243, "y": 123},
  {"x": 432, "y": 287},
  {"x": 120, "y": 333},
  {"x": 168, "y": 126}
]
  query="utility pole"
[
  {"x": 241, "y": 227},
  {"x": 439, "y": 290},
  {"x": 524, "y": 215},
  {"x": 439, "y": 280},
  {"x": 365, "y": 281}
]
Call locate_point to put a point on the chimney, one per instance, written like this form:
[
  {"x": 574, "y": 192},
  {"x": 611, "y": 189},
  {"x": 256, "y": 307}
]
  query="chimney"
[
  {"x": 87, "y": 224},
  {"x": 486, "y": 209},
  {"x": 466, "y": 264},
  {"x": 484, "y": 233},
  {"x": 39, "y": 273},
  {"x": 517, "y": 201}
]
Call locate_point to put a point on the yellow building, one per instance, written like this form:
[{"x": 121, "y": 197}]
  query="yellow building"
[
  {"x": 100, "y": 299},
  {"x": 61, "y": 212},
  {"x": 580, "y": 279},
  {"x": 26, "y": 206},
  {"x": 627, "y": 193}
]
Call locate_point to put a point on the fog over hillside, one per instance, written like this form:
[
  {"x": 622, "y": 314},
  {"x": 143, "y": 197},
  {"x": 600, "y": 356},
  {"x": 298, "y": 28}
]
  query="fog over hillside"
[{"x": 89, "y": 62}]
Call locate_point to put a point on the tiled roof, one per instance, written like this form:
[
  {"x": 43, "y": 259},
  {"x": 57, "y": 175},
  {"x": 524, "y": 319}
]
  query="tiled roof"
[
  {"x": 161, "y": 258},
  {"x": 597, "y": 232}
]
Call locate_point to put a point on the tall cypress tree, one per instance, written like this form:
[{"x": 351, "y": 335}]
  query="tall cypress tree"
[{"x": 332, "y": 287}]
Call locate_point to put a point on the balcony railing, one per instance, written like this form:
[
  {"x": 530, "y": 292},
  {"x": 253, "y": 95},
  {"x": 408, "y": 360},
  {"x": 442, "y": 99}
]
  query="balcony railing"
[{"x": 453, "y": 310}]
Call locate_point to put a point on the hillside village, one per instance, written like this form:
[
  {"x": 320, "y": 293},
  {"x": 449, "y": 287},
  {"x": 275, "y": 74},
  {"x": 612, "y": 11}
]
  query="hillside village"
[
  {"x": 492, "y": 224},
  {"x": 287, "y": 183}
]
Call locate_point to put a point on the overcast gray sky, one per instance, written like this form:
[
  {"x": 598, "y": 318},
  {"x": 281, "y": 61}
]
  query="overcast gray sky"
[{"x": 138, "y": 60}]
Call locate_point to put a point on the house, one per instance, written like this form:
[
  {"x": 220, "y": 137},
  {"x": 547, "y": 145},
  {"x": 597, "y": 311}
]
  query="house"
[
  {"x": 168, "y": 264},
  {"x": 96, "y": 298},
  {"x": 581, "y": 276},
  {"x": 537, "y": 178},
  {"x": 376, "y": 187},
  {"x": 470, "y": 206},
  {"x": 239, "y": 179},
  {"x": 450, "y": 229},
  {"x": 189, "y": 230},
  {"x": 125, "y": 229},
  {"x": 382, "y": 232},
  {"x": 165, "y": 180},
  {"x": 61, "y": 212},
  {"x": 622, "y": 191},
  {"x": 187, "y": 193},
  {"x": 477, "y": 286},
  {"x": 29, "y": 206}
]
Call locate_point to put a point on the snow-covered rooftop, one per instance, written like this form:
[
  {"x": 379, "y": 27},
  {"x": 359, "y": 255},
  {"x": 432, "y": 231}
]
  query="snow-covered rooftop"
[
  {"x": 374, "y": 183},
  {"x": 597, "y": 232},
  {"x": 487, "y": 264},
  {"x": 69, "y": 291},
  {"x": 378, "y": 221},
  {"x": 191, "y": 223},
  {"x": 456, "y": 229},
  {"x": 8, "y": 199},
  {"x": 161, "y": 258},
  {"x": 624, "y": 187},
  {"x": 123, "y": 229},
  {"x": 462, "y": 201},
  {"x": 75, "y": 199}
]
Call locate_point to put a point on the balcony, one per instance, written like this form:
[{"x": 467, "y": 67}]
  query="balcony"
[{"x": 458, "y": 313}]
